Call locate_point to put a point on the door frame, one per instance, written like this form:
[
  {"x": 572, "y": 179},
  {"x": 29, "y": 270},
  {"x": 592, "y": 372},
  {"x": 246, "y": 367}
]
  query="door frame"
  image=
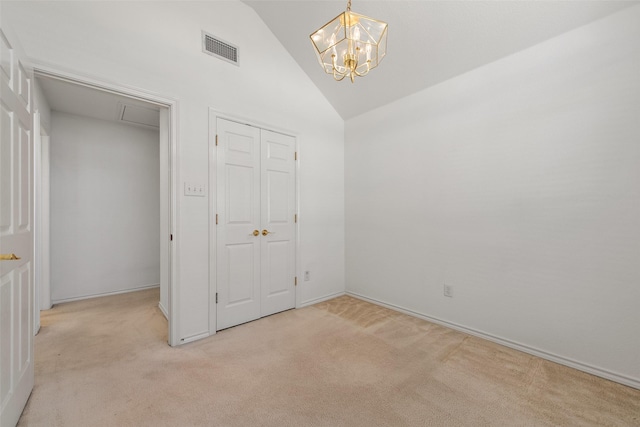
[
  {"x": 42, "y": 294},
  {"x": 173, "y": 212},
  {"x": 214, "y": 115}
]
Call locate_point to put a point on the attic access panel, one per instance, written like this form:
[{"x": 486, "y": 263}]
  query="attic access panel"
[{"x": 137, "y": 115}]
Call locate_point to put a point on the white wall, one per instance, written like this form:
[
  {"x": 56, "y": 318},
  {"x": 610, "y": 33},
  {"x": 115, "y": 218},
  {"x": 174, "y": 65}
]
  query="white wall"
[
  {"x": 105, "y": 207},
  {"x": 518, "y": 184},
  {"x": 156, "y": 47}
]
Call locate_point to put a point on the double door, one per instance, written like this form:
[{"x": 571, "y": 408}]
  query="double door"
[{"x": 255, "y": 230}]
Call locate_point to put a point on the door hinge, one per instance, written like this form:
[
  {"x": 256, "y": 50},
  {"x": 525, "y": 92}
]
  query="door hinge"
[
  {"x": 216, "y": 297},
  {"x": 216, "y": 140},
  {"x": 216, "y": 219},
  {"x": 295, "y": 218},
  {"x": 171, "y": 237},
  {"x": 295, "y": 281},
  {"x": 295, "y": 155}
]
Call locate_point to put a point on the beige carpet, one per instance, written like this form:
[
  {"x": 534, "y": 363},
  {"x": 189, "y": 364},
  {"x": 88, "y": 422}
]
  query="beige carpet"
[{"x": 105, "y": 362}]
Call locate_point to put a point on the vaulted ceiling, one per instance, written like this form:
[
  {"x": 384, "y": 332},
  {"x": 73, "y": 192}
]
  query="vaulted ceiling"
[{"x": 429, "y": 41}]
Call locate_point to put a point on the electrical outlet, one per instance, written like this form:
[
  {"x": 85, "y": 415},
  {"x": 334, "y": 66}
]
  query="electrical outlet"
[
  {"x": 307, "y": 276},
  {"x": 448, "y": 291}
]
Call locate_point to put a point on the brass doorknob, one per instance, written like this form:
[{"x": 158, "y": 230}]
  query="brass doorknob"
[
  {"x": 8, "y": 257},
  {"x": 256, "y": 233},
  {"x": 265, "y": 232}
]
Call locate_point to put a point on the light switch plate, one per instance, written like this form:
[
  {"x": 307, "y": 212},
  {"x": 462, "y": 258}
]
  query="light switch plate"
[{"x": 191, "y": 189}]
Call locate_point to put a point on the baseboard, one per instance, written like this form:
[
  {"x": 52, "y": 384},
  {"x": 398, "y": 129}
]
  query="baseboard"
[
  {"x": 163, "y": 310},
  {"x": 321, "y": 299},
  {"x": 584, "y": 367},
  {"x": 194, "y": 338},
  {"x": 105, "y": 294}
]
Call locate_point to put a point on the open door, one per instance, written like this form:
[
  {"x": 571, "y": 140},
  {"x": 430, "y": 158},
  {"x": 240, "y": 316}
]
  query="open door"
[{"x": 16, "y": 234}]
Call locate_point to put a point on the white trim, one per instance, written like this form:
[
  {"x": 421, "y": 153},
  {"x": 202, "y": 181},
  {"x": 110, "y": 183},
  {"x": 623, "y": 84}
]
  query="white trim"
[
  {"x": 298, "y": 261},
  {"x": 105, "y": 294},
  {"x": 41, "y": 257},
  {"x": 249, "y": 121},
  {"x": 174, "y": 249},
  {"x": 45, "y": 216},
  {"x": 584, "y": 367},
  {"x": 37, "y": 221},
  {"x": 101, "y": 84},
  {"x": 195, "y": 338},
  {"x": 163, "y": 310},
  {"x": 212, "y": 170},
  {"x": 321, "y": 299},
  {"x": 172, "y": 104}
]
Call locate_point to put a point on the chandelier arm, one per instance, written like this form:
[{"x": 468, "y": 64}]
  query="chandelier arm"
[
  {"x": 336, "y": 67},
  {"x": 342, "y": 76},
  {"x": 337, "y": 72},
  {"x": 365, "y": 72}
]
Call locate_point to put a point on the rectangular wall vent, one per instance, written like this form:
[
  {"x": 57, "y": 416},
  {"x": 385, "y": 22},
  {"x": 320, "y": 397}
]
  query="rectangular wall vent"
[{"x": 219, "y": 48}]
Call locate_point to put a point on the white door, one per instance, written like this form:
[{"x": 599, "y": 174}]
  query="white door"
[
  {"x": 238, "y": 228},
  {"x": 255, "y": 262},
  {"x": 278, "y": 248},
  {"x": 16, "y": 235}
]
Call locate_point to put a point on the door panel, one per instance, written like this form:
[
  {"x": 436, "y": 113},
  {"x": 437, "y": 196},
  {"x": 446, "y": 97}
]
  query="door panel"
[
  {"x": 6, "y": 315},
  {"x": 278, "y": 210},
  {"x": 277, "y": 277},
  {"x": 238, "y": 199},
  {"x": 24, "y": 179},
  {"x": 240, "y": 194},
  {"x": 23, "y": 325},
  {"x": 24, "y": 87},
  {"x": 241, "y": 268},
  {"x": 6, "y": 122},
  {"x": 16, "y": 235}
]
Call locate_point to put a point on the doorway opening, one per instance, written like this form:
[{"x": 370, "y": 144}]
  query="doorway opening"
[{"x": 105, "y": 192}]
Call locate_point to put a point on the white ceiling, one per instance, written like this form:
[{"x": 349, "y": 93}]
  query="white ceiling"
[
  {"x": 81, "y": 100},
  {"x": 429, "y": 41}
]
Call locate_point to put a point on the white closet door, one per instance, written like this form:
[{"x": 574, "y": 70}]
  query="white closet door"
[
  {"x": 16, "y": 234},
  {"x": 238, "y": 201},
  {"x": 277, "y": 212},
  {"x": 255, "y": 249}
]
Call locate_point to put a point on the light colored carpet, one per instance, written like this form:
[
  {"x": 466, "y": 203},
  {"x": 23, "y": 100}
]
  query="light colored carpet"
[{"x": 344, "y": 362}]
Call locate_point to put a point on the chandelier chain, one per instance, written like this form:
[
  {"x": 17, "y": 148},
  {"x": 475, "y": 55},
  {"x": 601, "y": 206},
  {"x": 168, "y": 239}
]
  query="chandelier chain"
[{"x": 349, "y": 5}]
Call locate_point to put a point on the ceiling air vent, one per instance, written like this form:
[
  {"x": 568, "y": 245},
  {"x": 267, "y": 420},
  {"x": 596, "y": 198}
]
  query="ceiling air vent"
[{"x": 219, "y": 48}]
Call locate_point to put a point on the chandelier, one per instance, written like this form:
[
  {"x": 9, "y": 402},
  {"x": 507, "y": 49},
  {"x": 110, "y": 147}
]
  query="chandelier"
[{"x": 350, "y": 45}]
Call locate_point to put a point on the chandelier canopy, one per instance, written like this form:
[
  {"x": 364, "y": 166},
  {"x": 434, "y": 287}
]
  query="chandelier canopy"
[{"x": 350, "y": 44}]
